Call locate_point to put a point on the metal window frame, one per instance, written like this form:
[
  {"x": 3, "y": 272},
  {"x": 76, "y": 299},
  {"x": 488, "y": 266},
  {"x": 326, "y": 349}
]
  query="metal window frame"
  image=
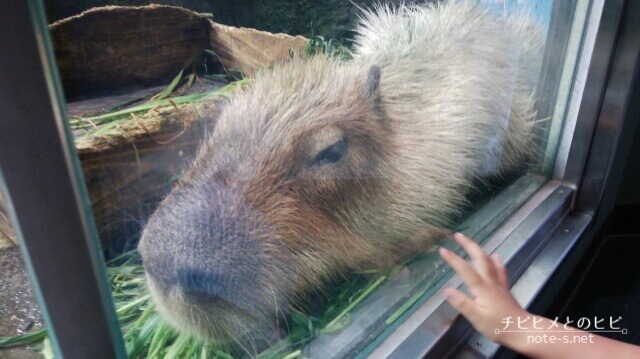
[
  {"x": 48, "y": 202},
  {"x": 46, "y": 197}
]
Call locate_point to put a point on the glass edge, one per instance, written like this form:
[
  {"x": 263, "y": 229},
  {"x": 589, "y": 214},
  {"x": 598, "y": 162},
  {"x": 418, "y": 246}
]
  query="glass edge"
[
  {"x": 42, "y": 305},
  {"x": 58, "y": 102}
]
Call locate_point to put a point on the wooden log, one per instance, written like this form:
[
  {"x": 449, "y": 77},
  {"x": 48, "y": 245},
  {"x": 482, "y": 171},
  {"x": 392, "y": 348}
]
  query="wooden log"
[
  {"x": 249, "y": 50},
  {"x": 115, "y": 46},
  {"x": 109, "y": 47},
  {"x": 130, "y": 167}
]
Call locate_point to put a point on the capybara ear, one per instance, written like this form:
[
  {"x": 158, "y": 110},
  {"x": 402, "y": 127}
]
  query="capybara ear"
[{"x": 372, "y": 86}]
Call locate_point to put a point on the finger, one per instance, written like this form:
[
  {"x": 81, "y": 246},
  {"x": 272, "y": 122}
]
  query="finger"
[
  {"x": 501, "y": 271},
  {"x": 460, "y": 302},
  {"x": 479, "y": 258},
  {"x": 469, "y": 276}
]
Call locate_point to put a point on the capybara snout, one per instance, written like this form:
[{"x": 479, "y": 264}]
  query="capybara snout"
[
  {"x": 246, "y": 228},
  {"x": 209, "y": 258}
]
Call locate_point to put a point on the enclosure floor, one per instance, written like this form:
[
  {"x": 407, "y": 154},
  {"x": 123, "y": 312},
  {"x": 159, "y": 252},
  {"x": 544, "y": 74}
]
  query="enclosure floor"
[{"x": 19, "y": 310}]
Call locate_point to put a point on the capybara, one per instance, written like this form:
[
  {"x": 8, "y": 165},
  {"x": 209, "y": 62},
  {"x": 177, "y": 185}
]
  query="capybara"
[{"x": 322, "y": 166}]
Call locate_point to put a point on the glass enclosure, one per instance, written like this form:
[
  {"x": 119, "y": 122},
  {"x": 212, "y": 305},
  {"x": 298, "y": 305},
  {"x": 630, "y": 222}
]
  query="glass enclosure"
[{"x": 273, "y": 180}]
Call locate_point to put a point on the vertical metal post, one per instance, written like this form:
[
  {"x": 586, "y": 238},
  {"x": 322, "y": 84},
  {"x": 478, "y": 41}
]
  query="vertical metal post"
[
  {"x": 41, "y": 177},
  {"x": 616, "y": 121}
]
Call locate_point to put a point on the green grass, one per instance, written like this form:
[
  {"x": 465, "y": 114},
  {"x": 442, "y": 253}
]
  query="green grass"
[
  {"x": 318, "y": 44},
  {"x": 147, "y": 335},
  {"x": 101, "y": 124},
  {"x": 23, "y": 339}
]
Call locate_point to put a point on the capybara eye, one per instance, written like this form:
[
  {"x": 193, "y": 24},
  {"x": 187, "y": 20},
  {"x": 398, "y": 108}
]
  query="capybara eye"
[{"x": 331, "y": 154}]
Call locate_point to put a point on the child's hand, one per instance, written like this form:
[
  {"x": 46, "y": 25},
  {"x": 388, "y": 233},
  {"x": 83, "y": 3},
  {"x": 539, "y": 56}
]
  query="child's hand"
[
  {"x": 487, "y": 283},
  {"x": 491, "y": 303}
]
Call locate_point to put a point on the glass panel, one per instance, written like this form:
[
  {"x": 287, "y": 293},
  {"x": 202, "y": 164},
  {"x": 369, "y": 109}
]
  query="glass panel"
[
  {"x": 21, "y": 325},
  {"x": 290, "y": 188}
]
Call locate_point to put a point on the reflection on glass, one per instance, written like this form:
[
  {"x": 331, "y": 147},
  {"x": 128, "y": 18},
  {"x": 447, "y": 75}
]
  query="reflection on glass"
[{"x": 285, "y": 193}]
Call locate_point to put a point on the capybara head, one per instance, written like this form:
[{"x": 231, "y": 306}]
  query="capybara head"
[{"x": 285, "y": 193}]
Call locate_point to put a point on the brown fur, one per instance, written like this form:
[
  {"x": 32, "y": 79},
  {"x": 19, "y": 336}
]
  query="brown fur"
[{"x": 321, "y": 167}]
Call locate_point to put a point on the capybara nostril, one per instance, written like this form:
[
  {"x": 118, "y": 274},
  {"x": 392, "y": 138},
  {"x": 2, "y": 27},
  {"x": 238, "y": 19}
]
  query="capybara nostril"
[{"x": 198, "y": 283}]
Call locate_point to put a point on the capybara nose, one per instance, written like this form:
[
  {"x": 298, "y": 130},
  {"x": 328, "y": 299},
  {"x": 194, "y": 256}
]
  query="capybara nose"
[{"x": 200, "y": 284}]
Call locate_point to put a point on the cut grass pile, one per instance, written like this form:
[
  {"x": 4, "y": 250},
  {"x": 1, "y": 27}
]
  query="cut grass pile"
[
  {"x": 147, "y": 335},
  {"x": 172, "y": 95},
  {"x": 318, "y": 44},
  {"x": 101, "y": 124}
]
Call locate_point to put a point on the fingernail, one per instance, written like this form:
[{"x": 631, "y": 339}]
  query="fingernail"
[{"x": 443, "y": 251}]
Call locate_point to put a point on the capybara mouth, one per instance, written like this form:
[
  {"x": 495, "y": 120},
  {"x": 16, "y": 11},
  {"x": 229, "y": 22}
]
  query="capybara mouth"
[{"x": 205, "y": 315}]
